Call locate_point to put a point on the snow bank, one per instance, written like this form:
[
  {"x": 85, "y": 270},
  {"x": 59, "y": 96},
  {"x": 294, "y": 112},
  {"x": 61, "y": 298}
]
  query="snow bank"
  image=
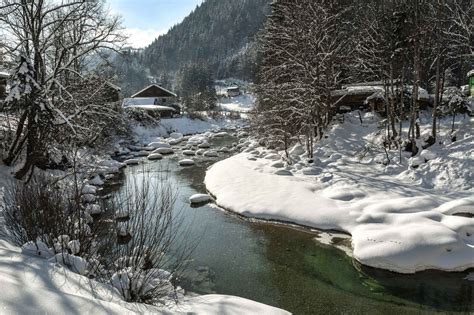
[
  {"x": 32, "y": 285},
  {"x": 176, "y": 127},
  {"x": 242, "y": 103},
  {"x": 401, "y": 222}
]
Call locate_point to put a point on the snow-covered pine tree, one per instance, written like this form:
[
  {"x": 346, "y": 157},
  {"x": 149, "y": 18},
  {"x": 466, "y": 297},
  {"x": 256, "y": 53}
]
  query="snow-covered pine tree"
[{"x": 304, "y": 55}]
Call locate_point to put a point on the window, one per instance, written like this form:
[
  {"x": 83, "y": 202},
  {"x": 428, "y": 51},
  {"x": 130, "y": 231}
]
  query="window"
[{"x": 163, "y": 100}]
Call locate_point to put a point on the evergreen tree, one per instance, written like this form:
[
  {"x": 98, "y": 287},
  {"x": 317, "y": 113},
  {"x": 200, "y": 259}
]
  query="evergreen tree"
[{"x": 196, "y": 87}]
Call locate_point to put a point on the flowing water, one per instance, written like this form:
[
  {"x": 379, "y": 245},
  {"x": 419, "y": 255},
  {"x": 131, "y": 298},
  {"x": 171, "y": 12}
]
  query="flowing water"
[{"x": 286, "y": 267}]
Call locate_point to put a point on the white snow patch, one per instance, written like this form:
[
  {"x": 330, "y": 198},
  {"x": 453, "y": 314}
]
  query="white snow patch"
[{"x": 399, "y": 217}]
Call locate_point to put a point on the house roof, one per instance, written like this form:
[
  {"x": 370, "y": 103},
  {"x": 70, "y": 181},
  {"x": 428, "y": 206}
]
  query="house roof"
[
  {"x": 4, "y": 74},
  {"x": 154, "y": 90},
  {"x": 158, "y": 108},
  {"x": 113, "y": 86},
  {"x": 137, "y": 101}
]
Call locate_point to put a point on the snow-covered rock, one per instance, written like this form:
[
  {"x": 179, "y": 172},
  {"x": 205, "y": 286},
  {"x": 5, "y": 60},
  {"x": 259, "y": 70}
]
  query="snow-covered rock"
[
  {"x": 74, "y": 263},
  {"x": 210, "y": 153},
  {"x": 37, "y": 248},
  {"x": 93, "y": 209},
  {"x": 132, "y": 161},
  {"x": 141, "y": 153},
  {"x": 272, "y": 156},
  {"x": 311, "y": 171},
  {"x": 174, "y": 141},
  {"x": 428, "y": 155},
  {"x": 164, "y": 151},
  {"x": 416, "y": 161},
  {"x": 96, "y": 181},
  {"x": 221, "y": 134},
  {"x": 176, "y": 135},
  {"x": 89, "y": 198},
  {"x": 189, "y": 152},
  {"x": 155, "y": 156},
  {"x": 157, "y": 145},
  {"x": 200, "y": 198},
  {"x": 297, "y": 149},
  {"x": 74, "y": 246},
  {"x": 204, "y": 145},
  {"x": 224, "y": 150},
  {"x": 200, "y": 151},
  {"x": 283, "y": 173},
  {"x": 278, "y": 164},
  {"x": 89, "y": 189},
  {"x": 186, "y": 162}
]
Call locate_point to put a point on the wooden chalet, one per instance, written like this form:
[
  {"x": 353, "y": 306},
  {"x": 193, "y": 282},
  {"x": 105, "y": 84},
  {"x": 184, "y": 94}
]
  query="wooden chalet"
[
  {"x": 370, "y": 96},
  {"x": 154, "y": 98}
]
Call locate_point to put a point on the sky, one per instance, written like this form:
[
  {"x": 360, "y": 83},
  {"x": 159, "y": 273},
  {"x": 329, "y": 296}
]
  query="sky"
[{"x": 144, "y": 20}]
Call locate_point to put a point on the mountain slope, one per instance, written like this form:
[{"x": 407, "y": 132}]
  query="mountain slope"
[{"x": 218, "y": 32}]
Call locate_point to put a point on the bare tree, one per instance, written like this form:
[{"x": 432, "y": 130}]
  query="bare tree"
[
  {"x": 53, "y": 41},
  {"x": 304, "y": 52}
]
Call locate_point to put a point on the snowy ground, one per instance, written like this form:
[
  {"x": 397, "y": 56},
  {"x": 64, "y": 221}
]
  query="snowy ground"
[
  {"x": 32, "y": 285},
  {"x": 36, "y": 285},
  {"x": 185, "y": 126},
  {"x": 243, "y": 103},
  {"x": 400, "y": 217}
]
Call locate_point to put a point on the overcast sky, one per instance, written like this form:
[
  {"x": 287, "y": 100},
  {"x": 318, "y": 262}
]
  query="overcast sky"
[{"x": 145, "y": 20}]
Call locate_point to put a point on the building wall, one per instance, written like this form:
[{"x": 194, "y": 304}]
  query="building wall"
[{"x": 165, "y": 101}]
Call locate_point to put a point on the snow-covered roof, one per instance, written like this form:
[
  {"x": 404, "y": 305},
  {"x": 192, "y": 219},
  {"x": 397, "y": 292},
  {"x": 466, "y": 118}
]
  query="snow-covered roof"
[
  {"x": 370, "y": 89},
  {"x": 232, "y": 88},
  {"x": 470, "y": 73},
  {"x": 4, "y": 74},
  {"x": 158, "y": 108},
  {"x": 137, "y": 101},
  {"x": 364, "y": 89},
  {"x": 144, "y": 103},
  {"x": 156, "y": 86}
]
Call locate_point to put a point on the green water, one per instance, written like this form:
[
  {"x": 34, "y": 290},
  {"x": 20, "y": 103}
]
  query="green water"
[{"x": 285, "y": 267}]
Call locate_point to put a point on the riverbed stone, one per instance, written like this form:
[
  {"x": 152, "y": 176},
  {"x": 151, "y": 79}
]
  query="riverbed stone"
[
  {"x": 155, "y": 156},
  {"x": 186, "y": 162}
]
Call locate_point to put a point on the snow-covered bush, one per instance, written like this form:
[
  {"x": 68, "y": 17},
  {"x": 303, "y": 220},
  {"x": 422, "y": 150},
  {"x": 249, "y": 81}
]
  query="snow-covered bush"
[
  {"x": 136, "y": 284},
  {"x": 50, "y": 212},
  {"x": 142, "y": 117},
  {"x": 137, "y": 266},
  {"x": 454, "y": 102}
]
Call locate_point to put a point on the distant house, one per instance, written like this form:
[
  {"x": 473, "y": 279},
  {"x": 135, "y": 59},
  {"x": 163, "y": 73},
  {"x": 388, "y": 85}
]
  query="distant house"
[
  {"x": 370, "y": 95},
  {"x": 233, "y": 91},
  {"x": 154, "y": 98}
]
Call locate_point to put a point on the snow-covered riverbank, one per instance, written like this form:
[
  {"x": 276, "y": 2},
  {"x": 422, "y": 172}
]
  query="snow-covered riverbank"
[
  {"x": 185, "y": 126},
  {"x": 34, "y": 284},
  {"x": 400, "y": 216}
]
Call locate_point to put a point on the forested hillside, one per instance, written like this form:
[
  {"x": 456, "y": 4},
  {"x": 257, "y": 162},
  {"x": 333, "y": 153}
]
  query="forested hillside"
[{"x": 218, "y": 32}]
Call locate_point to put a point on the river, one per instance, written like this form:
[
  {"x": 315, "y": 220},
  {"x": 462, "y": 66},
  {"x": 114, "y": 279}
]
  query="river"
[{"x": 286, "y": 267}]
